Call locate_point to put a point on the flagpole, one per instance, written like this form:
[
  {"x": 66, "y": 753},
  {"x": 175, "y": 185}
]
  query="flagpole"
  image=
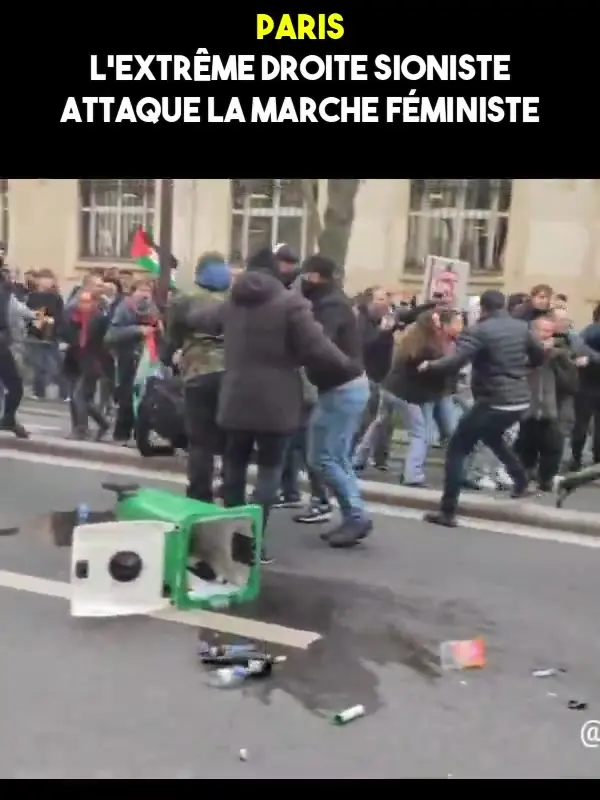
[{"x": 166, "y": 240}]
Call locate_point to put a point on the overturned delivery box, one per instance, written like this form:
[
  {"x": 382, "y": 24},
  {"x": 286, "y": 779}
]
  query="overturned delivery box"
[{"x": 164, "y": 549}]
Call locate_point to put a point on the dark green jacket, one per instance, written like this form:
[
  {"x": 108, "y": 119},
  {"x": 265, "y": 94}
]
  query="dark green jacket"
[{"x": 200, "y": 353}]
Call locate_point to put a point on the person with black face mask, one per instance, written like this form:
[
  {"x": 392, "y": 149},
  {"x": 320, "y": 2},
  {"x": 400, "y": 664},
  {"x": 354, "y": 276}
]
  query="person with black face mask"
[{"x": 343, "y": 394}]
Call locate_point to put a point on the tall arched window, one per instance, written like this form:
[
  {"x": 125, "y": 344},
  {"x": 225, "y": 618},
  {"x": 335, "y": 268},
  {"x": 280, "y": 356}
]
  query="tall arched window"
[
  {"x": 111, "y": 209},
  {"x": 465, "y": 219},
  {"x": 267, "y": 211}
]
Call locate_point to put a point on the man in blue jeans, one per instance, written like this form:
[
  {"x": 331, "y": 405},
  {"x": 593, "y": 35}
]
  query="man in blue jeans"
[{"x": 343, "y": 393}]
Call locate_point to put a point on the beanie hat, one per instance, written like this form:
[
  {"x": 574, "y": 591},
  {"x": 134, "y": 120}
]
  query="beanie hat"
[
  {"x": 213, "y": 273},
  {"x": 283, "y": 252},
  {"x": 263, "y": 259}
]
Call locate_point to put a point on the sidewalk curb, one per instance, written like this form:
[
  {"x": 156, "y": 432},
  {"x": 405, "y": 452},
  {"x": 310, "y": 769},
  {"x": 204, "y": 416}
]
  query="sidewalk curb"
[
  {"x": 517, "y": 512},
  {"x": 40, "y": 410},
  {"x": 61, "y": 411}
]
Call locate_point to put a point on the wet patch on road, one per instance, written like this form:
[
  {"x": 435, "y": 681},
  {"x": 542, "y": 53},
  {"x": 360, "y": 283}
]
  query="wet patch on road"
[{"x": 362, "y": 628}]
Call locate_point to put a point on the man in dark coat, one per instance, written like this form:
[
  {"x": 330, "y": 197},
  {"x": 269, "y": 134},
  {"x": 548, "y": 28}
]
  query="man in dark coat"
[
  {"x": 269, "y": 333},
  {"x": 502, "y": 351}
]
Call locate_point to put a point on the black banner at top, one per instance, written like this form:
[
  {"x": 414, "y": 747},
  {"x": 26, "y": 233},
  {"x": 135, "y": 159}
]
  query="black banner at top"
[{"x": 372, "y": 89}]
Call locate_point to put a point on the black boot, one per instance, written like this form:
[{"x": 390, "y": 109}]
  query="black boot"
[
  {"x": 445, "y": 518},
  {"x": 14, "y": 427}
]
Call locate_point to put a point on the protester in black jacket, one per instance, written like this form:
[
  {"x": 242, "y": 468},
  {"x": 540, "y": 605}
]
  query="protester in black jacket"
[
  {"x": 502, "y": 350},
  {"x": 343, "y": 396},
  {"x": 43, "y": 349},
  {"x": 83, "y": 330}
]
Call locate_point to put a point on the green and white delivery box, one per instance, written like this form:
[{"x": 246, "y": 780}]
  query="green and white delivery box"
[{"x": 140, "y": 562}]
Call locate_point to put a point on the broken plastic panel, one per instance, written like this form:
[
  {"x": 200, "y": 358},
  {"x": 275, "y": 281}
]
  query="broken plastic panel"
[{"x": 117, "y": 568}]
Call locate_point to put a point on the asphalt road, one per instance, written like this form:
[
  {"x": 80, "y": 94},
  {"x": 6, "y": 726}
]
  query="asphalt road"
[{"x": 126, "y": 699}]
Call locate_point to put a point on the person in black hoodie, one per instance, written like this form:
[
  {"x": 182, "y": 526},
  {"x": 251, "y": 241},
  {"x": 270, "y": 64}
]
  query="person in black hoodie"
[
  {"x": 43, "y": 346},
  {"x": 343, "y": 394},
  {"x": 269, "y": 333},
  {"x": 83, "y": 330}
]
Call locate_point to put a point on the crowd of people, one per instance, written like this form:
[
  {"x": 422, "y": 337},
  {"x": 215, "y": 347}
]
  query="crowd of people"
[{"x": 276, "y": 365}]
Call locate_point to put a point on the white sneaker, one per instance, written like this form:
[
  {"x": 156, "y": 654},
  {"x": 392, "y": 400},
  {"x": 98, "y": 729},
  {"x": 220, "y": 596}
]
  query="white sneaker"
[
  {"x": 503, "y": 479},
  {"x": 486, "y": 483}
]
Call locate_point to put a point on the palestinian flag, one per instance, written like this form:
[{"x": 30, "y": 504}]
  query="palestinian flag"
[{"x": 144, "y": 253}]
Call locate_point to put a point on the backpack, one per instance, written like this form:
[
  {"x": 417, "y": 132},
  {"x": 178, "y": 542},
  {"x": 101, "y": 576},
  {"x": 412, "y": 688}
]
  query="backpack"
[{"x": 161, "y": 410}]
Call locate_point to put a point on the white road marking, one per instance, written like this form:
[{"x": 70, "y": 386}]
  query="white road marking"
[
  {"x": 527, "y": 532},
  {"x": 34, "y": 427},
  {"x": 236, "y": 626}
]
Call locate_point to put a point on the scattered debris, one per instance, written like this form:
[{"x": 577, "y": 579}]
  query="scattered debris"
[
  {"x": 236, "y": 663},
  {"x": 243, "y": 754},
  {"x": 577, "y": 705},
  {"x": 82, "y": 514},
  {"x": 465, "y": 654},
  {"x": 228, "y": 677},
  {"x": 348, "y": 715},
  {"x": 550, "y": 672},
  {"x": 228, "y": 655}
]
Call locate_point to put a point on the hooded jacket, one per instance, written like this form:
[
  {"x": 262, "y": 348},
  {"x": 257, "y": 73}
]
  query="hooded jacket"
[
  {"x": 201, "y": 353},
  {"x": 269, "y": 332},
  {"x": 334, "y": 311}
]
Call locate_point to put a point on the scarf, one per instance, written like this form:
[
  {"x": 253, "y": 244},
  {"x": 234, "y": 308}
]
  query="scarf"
[
  {"x": 83, "y": 319},
  {"x": 152, "y": 346}
]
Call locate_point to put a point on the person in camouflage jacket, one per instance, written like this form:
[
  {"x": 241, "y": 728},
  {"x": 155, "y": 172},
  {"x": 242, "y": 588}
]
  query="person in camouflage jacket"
[{"x": 201, "y": 366}]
